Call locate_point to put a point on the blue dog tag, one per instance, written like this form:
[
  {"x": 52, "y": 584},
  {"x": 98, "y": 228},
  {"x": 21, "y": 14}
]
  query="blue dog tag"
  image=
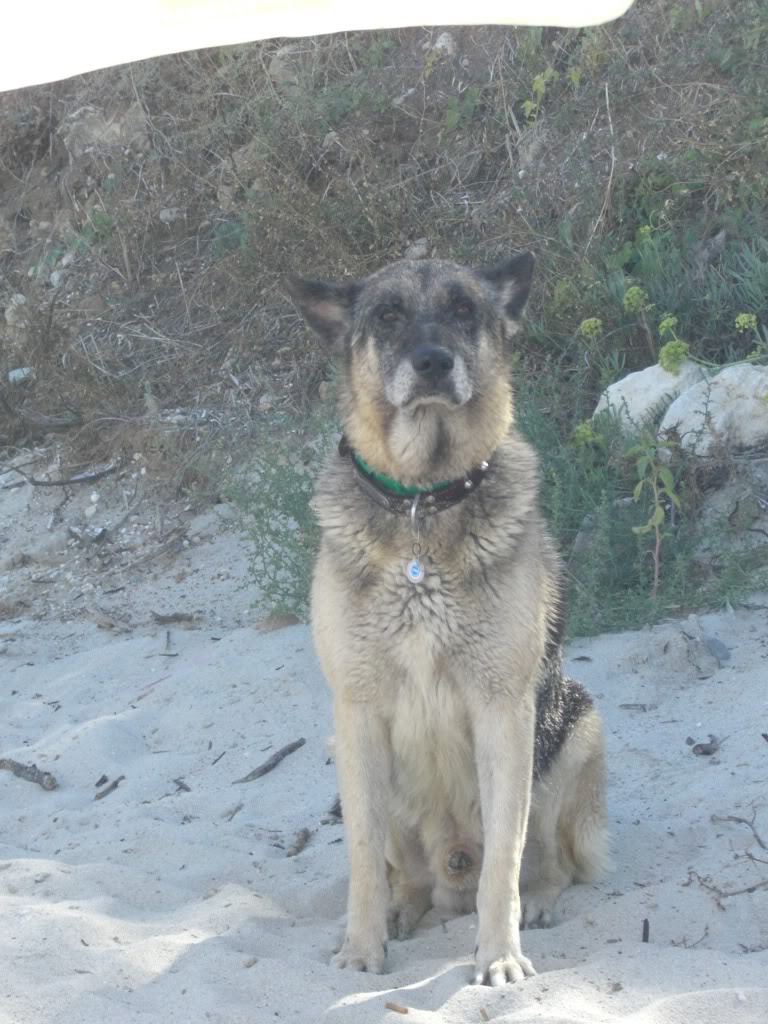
[{"x": 415, "y": 571}]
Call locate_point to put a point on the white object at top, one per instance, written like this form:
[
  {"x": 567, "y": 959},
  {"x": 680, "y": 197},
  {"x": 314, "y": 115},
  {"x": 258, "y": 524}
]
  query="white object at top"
[{"x": 47, "y": 40}]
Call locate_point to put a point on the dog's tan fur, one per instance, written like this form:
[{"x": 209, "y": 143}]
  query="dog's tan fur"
[{"x": 435, "y": 685}]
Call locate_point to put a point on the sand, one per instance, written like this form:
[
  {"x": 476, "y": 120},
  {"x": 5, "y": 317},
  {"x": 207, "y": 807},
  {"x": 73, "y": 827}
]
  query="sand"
[{"x": 172, "y": 898}]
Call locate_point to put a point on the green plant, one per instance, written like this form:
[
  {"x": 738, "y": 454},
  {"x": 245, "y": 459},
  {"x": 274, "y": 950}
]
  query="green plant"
[
  {"x": 461, "y": 108},
  {"x": 655, "y": 476},
  {"x": 272, "y": 496},
  {"x": 673, "y": 355},
  {"x": 532, "y": 107}
]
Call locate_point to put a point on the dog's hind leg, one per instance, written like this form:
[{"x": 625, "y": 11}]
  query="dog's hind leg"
[
  {"x": 410, "y": 880},
  {"x": 566, "y": 839}
]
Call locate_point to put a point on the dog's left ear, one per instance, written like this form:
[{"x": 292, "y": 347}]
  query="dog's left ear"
[
  {"x": 512, "y": 282},
  {"x": 326, "y": 305}
]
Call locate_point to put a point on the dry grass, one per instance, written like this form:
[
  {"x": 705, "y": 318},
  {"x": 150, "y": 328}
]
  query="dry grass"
[{"x": 182, "y": 189}]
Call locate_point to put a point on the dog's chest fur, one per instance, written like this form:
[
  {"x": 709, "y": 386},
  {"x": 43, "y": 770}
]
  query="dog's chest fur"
[
  {"x": 424, "y": 652},
  {"x": 427, "y": 702}
]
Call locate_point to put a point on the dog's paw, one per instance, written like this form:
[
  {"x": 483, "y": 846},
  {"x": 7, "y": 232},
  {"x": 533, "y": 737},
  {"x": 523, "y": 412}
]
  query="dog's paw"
[
  {"x": 361, "y": 955},
  {"x": 537, "y": 907},
  {"x": 402, "y": 920},
  {"x": 496, "y": 967}
]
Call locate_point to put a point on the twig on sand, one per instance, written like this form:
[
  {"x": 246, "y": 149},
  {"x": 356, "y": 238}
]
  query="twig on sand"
[
  {"x": 30, "y": 772},
  {"x": 110, "y": 788},
  {"x": 272, "y": 762},
  {"x": 692, "y": 945},
  {"x": 396, "y": 1007},
  {"x": 749, "y": 822},
  {"x": 230, "y": 814},
  {"x": 721, "y": 894},
  {"x": 300, "y": 840},
  {"x": 646, "y": 930}
]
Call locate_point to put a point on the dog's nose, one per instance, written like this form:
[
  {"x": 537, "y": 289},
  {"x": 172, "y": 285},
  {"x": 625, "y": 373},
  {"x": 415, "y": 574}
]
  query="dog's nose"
[{"x": 432, "y": 362}]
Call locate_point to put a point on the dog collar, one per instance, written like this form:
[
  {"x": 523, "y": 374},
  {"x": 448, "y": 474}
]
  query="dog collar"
[{"x": 416, "y": 502}]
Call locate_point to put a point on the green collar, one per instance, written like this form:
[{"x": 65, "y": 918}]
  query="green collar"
[{"x": 395, "y": 487}]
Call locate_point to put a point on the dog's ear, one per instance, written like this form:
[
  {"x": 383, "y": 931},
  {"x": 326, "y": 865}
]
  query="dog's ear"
[
  {"x": 512, "y": 282},
  {"x": 325, "y": 305}
]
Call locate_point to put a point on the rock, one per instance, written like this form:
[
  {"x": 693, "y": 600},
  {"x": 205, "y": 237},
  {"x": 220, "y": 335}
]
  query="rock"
[
  {"x": 716, "y": 648},
  {"x": 703, "y": 652},
  {"x": 56, "y": 278},
  {"x": 15, "y": 313},
  {"x": 445, "y": 44},
  {"x": 733, "y": 516},
  {"x": 417, "y": 250},
  {"x": 730, "y": 410},
  {"x": 20, "y": 375},
  {"x": 88, "y": 130},
  {"x": 640, "y": 396},
  {"x": 685, "y": 654},
  {"x": 171, "y": 214}
]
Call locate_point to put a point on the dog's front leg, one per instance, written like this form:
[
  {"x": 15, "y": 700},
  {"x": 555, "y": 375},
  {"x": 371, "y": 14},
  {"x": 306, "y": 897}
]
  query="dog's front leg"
[
  {"x": 503, "y": 734},
  {"x": 364, "y": 769}
]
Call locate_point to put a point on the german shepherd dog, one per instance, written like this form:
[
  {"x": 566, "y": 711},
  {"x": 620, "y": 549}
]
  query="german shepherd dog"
[{"x": 469, "y": 766}]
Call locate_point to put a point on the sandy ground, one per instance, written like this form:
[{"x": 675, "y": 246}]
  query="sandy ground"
[{"x": 172, "y": 898}]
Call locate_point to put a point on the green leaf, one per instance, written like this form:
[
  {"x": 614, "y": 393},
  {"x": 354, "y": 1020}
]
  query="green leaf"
[
  {"x": 642, "y": 465},
  {"x": 666, "y": 478},
  {"x": 658, "y": 516},
  {"x": 452, "y": 116},
  {"x": 639, "y": 490}
]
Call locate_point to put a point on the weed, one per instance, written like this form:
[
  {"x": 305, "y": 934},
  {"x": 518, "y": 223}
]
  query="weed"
[
  {"x": 272, "y": 495},
  {"x": 654, "y": 476}
]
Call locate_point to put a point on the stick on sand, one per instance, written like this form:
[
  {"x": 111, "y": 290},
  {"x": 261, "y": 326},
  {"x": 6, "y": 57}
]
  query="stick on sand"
[
  {"x": 30, "y": 772},
  {"x": 272, "y": 762}
]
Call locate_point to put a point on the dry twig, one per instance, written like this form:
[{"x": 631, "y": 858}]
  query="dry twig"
[
  {"x": 749, "y": 822},
  {"x": 110, "y": 788},
  {"x": 272, "y": 762},
  {"x": 30, "y": 772},
  {"x": 301, "y": 839}
]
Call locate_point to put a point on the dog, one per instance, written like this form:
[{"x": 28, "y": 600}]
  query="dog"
[{"x": 467, "y": 761}]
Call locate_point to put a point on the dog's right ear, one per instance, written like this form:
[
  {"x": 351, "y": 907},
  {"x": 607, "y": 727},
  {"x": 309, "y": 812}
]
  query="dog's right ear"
[{"x": 326, "y": 305}]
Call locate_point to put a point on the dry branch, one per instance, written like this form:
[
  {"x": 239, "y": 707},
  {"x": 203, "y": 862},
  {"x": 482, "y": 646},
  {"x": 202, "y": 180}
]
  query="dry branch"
[
  {"x": 30, "y": 772},
  {"x": 272, "y": 762}
]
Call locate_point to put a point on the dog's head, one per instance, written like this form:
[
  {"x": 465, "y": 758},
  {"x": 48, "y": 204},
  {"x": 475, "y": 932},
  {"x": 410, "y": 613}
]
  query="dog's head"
[{"x": 426, "y": 351}]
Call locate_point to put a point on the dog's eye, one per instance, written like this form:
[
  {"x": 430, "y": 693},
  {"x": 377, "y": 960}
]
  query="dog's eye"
[
  {"x": 389, "y": 316},
  {"x": 464, "y": 310}
]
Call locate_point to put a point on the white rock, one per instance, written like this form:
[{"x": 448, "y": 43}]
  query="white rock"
[
  {"x": 14, "y": 313},
  {"x": 446, "y": 44},
  {"x": 56, "y": 278},
  {"x": 171, "y": 214},
  {"x": 641, "y": 395},
  {"x": 731, "y": 410},
  {"x": 20, "y": 375}
]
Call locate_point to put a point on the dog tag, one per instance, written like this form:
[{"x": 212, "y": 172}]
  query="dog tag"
[{"x": 415, "y": 571}]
